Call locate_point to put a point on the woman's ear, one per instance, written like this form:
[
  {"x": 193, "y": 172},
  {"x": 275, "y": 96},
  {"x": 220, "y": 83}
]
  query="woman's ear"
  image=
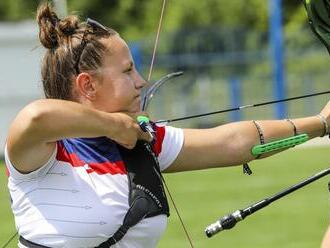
[{"x": 86, "y": 86}]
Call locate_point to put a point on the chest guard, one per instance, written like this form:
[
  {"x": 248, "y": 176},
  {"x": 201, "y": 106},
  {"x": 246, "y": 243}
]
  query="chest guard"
[{"x": 147, "y": 196}]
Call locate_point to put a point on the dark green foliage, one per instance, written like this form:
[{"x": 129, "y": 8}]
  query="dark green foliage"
[{"x": 136, "y": 18}]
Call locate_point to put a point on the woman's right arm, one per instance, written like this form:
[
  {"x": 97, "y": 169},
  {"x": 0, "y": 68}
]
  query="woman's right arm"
[{"x": 33, "y": 134}]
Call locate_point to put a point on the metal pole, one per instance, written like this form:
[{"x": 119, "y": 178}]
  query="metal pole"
[
  {"x": 235, "y": 97},
  {"x": 277, "y": 52}
]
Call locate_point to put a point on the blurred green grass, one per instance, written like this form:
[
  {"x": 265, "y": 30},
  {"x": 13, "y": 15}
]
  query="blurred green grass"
[
  {"x": 297, "y": 220},
  {"x": 7, "y": 227}
]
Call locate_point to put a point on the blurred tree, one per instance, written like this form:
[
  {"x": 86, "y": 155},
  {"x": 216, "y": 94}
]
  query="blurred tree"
[
  {"x": 15, "y": 10},
  {"x": 251, "y": 13},
  {"x": 137, "y": 18}
]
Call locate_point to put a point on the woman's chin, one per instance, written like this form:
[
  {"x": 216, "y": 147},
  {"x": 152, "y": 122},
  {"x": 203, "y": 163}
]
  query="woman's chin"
[{"x": 136, "y": 108}]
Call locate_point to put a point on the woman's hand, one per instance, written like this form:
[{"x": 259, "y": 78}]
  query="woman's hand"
[{"x": 128, "y": 130}]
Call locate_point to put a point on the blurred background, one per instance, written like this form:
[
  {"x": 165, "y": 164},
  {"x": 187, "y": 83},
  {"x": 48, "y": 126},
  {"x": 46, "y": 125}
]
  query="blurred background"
[{"x": 232, "y": 53}]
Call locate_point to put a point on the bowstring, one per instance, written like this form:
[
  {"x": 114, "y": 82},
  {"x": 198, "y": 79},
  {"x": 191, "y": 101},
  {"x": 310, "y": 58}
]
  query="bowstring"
[
  {"x": 149, "y": 77},
  {"x": 156, "y": 40}
]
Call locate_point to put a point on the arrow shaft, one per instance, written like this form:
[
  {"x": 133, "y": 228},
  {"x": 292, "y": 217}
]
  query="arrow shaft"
[{"x": 243, "y": 107}]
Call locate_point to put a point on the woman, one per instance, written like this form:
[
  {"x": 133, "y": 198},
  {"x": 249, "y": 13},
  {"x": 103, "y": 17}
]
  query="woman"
[{"x": 76, "y": 159}]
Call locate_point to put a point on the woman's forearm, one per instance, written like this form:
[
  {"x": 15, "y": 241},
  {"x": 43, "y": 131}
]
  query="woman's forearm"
[
  {"x": 231, "y": 144},
  {"x": 273, "y": 130},
  {"x": 50, "y": 120},
  {"x": 39, "y": 125}
]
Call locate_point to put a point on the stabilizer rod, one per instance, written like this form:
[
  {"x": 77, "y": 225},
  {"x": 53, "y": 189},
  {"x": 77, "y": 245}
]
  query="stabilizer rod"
[{"x": 230, "y": 220}]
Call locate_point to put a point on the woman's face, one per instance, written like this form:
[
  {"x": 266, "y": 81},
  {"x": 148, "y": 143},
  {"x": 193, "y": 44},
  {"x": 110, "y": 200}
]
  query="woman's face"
[{"x": 119, "y": 85}]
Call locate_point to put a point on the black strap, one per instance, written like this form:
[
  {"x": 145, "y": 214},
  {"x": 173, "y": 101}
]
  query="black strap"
[
  {"x": 147, "y": 197},
  {"x": 137, "y": 211},
  {"x": 30, "y": 244},
  {"x": 144, "y": 175},
  {"x": 119, "y": 234}
]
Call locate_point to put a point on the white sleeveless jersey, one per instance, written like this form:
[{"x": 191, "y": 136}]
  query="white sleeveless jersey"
[{"x": 80, "y": 196}]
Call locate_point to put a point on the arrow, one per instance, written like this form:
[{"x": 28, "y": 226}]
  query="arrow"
[{"x": 241, "y": 107}]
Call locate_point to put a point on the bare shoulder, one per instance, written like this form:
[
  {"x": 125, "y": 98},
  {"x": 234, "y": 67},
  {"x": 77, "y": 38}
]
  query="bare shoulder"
[{"x": 25, "y": 150}]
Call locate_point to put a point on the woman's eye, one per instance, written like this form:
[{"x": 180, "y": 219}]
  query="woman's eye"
[{"x": 128, "y": 70}]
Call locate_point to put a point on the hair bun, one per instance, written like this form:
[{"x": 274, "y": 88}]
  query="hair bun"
[
  {"x": 47, "y": 21},
  {"x": 69, "y": 25}
]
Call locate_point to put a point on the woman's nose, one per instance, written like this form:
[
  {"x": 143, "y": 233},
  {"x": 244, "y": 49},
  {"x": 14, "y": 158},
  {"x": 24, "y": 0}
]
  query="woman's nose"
[{"x": 139, "y": 81}]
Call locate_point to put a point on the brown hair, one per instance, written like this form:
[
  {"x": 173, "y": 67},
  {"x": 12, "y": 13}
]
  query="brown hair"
[{"x": 71, "y": 47}]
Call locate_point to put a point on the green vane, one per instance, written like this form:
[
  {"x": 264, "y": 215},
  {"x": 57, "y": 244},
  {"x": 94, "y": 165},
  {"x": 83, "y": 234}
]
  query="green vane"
[
  {"x": 279, "y": 144},
  {"x": 142, "y": 118}
]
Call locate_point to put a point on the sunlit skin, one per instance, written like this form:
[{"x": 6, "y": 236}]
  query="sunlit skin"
[{"x": 118, "y": 84}]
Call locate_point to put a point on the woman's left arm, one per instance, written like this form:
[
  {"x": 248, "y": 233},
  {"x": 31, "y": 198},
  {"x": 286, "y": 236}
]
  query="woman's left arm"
[{"x": 231, "y": 144}]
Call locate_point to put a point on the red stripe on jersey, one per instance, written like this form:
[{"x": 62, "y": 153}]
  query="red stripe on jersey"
[
  {"x": 99, "y": 168},
  {"x": 63, "y": 155},
  {"x": 7, "y": 171},
  {"x": 107, "y": 167},
  {"x": 160, "y": 134}
]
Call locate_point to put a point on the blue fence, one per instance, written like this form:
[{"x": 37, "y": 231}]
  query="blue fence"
[{"x": 231, "y": 67}]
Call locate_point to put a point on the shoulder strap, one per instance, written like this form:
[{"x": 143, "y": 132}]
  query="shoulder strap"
[{"x": 147, "y": 196}]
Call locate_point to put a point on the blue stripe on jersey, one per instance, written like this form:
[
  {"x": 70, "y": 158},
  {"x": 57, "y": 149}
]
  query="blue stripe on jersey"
[{"x": 93, "y": 150}]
